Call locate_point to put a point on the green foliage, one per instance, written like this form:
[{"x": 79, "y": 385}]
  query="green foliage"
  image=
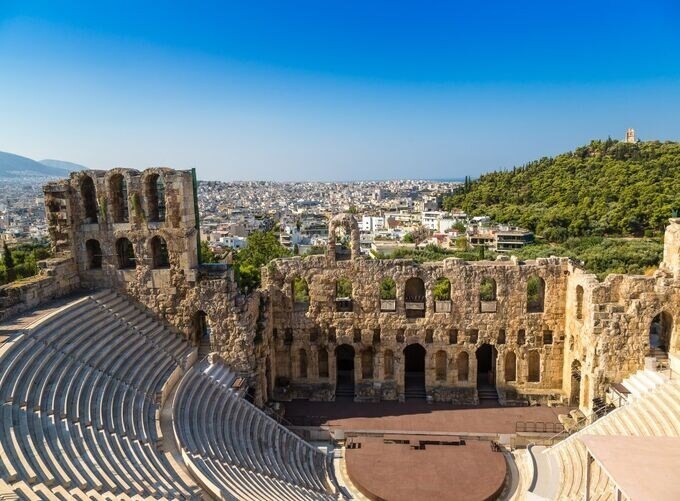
[
  {"x": 432, "y": 253},
  {"x": 315, "y": 250},
  {"x": 207, "y": 254},
  {"x": 602, "y": 256},
  {"x": 261, "y": 248},
  {"x": 442, "y": 289},
  {"x": 408, "y": 239},
  {"x": 487, "y": 290},
  {"x": 22, "y": 261},
  {"x": 300, "y": 290},
  {"x": 343, "y": 288},
  {"x": 388, "y": 289},
  {"x": 607, "y": 188},
  {"x": 534, "y": 292}
]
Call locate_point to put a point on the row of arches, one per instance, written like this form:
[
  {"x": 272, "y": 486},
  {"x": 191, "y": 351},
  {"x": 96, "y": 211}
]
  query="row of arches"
[
  {"x": 125, "y": 254},
  {"x": 415, "y": 294},
  {"x": 118, "y": 197},
  {"x": 414, "y": 359}
]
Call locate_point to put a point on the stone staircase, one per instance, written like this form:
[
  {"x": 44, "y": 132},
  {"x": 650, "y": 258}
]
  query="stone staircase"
[
  {"x": 487, "y": 393},
  {"x": 344, "y": 390}
]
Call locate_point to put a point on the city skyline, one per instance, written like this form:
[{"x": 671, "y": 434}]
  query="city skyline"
[{"x": 333, "y": 92}]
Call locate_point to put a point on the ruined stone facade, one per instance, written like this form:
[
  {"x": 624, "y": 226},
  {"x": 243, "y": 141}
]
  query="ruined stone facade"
[{"x": 542, "y": 330}]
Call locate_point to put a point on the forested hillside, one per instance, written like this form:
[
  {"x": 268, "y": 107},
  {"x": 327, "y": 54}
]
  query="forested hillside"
[{"x": 608, "y": 188}]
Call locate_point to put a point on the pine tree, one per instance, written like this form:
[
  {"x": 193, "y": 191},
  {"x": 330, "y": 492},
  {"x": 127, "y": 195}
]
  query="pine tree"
[{"x": 7, "y": 259}]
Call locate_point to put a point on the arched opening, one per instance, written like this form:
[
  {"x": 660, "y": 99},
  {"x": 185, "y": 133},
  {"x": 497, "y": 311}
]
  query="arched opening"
[
  {"x": 155, "y": 198},
  {"x": 159, "y": 253},
  {"x": 414, "y": 372},
  {"x": 442, "y": 289},
  {"x": 463, "y": 366},
  {"x": 510, "y": 366},
  {"x": 660, "y": 337},
  {"x": 534, "y": 363},
  {"x": 440, "y": 364},
  {"x": 125, "y": 254},
  {"x": 300, "y": 293},
  {"x": 302, "y": 363},
  {"x": 343, "y": 250},
  {"x": 94, "y": 254},
  {"x": 535, "y": 294},
  {"x": 202, "y": 333},
  {"x": 367, "y": 364},
  {"x": 89, "y": 196},
  {"x": 344, "y": 366},
  {"x": 579, "y": 302},
  {"x": 487, "y": 295},
  {"x": 343, "y": 295},
  {"x": 575, "y": 396},
  {"x": 388, "y": 294},
  {"x": 414, "y": 297},
  {"x": 486, "y": 366},
  {"x": 388, "y": 364},
  {"x": 322, "y": 362},
  {"x": 119, "y": 198}
]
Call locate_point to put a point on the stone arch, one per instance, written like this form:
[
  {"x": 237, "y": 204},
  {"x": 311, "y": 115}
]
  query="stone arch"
[
  {"x": 440, "y": 363},
  {"x": 510, "y": 366},
  {"x": 535, "y": 294},
  {"x": 343, "y": 295},
  {"x": 344, "y": 367},
  {"x": 463, "y": 366},
  {"x": 343, "y": 238},
  {"x": 442, "y": 289},
  {"x": 367, "y": 363},
  {"x": 534, "y": 366},
  {"x": 414, "y": 297},
  {"x": 89, "y": 195},
  {"x": 159, "y": 253},
  {"x": 388, "y": 364},
  {"x": 488, "y": 289},
  {"x": 414, "y": 371},
  {"x": 661, "y": 335},
  {"x": 302, "y": 363},
  {"x": 118, "y": 197},
  {"x": 322, "y": 362},
  {"x": 579, "y": 302},
  {"x": 93, "y": 250},
  {"x": 201, "y": 328},
  {"x": 125, "y": 254},
  {"x": 154, "y": 194}
]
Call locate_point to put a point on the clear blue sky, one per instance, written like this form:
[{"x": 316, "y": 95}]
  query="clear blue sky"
[{"x": 319, "y": 90}]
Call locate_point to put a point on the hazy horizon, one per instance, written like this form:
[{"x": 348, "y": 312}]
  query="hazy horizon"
[{"x": 335, "y": 90}]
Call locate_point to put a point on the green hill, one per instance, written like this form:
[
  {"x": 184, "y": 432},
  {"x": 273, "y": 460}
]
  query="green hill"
[
  {"x": 607, "y": 188},
  {"x": 12, "y": 165}
]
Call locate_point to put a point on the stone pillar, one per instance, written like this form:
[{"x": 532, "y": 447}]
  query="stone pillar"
[{"x": 671, "y": 248}]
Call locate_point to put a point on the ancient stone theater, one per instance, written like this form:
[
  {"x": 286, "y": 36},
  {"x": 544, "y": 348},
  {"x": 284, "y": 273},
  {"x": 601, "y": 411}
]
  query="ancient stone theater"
[{"x": 131, "y": 370}]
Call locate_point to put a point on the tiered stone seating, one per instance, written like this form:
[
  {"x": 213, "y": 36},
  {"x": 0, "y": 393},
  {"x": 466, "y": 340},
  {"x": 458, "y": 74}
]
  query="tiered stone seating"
[
  {"x": 653, "y": 410},
  {"x": 80, "y": 394},
  {"x": 238, "y": 452}
]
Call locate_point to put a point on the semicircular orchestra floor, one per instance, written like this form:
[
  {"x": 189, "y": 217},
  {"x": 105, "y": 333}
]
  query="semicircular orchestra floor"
[{"x": 409, "y": 467}]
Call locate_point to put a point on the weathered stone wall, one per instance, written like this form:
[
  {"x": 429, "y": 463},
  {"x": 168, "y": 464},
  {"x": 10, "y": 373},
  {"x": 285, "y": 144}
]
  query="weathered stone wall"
[
  {"x": 176, "y": 293},
  {"x": 587, "y": 335},
  {"x": 56, "y": 277}
]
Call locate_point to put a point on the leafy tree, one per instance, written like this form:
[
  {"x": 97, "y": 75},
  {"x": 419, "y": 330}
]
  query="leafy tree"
[
  {"x": 408, "y": 239},
  {"x": 207, "y": 254},
  {"x": 487, "y": 290},
  {"x": 388, "y": 289},
  {"x": 343, "y": 288},
  {"x": 606, "y": 188},
  {"x": 7, "y": 259},
  {"x": 442, "y": 289},
  {"x": 300, "y": 290},
  {"x": 261, "y": 248}
]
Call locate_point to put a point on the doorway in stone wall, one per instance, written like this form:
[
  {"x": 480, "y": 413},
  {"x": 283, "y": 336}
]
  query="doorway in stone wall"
[
  {"x": 414, "y": 372},
  {"x": 486, "y": 372},
  {"x": 344, "y": 366},
  {"x": 202, "y": 333}
]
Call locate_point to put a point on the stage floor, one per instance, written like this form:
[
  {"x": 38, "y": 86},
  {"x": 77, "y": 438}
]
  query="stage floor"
[{"x": 417, "y": 416}]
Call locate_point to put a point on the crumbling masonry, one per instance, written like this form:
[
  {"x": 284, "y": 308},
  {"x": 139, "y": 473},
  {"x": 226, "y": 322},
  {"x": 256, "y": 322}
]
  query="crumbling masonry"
[{"x": 319, "y": 327}]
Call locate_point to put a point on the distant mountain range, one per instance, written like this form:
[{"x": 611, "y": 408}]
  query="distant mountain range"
[{"x": 13, "y": 166}]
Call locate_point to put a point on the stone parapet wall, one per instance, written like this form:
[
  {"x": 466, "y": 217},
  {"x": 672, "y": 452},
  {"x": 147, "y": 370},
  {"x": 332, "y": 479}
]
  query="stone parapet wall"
[{"x": 56, "y": 277}]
